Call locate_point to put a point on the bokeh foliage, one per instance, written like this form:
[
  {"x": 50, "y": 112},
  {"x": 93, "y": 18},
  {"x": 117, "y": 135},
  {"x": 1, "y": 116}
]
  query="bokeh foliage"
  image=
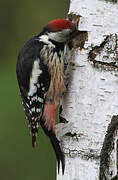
[{"x": 20, "y": 20}]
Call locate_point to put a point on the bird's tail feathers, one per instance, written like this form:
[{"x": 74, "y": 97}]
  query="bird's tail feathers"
[
  {"x": 33, "y": 141},
  {"x": 55, "y": 143}
]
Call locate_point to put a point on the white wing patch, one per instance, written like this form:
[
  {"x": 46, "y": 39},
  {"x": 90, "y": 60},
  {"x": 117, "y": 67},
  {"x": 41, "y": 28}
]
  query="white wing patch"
[{"x": 36, "y": 71}]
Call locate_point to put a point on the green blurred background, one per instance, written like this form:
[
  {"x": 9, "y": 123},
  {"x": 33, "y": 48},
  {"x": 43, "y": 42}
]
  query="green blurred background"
[{"x": 20, "y": 20}]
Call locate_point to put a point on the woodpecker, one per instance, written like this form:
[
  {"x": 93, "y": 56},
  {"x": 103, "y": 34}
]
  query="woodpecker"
[{"x": 42, "y": 71}]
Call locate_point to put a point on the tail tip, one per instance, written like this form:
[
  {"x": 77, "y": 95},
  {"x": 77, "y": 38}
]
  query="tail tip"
[
  {"x": 63, "y": 169},
  {"x": 33, "y": 141},
  {"x": 63, "y": 166}
]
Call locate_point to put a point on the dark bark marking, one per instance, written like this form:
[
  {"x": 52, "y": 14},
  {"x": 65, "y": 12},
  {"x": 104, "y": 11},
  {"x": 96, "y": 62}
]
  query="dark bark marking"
[{"x": 107, "y": 148}]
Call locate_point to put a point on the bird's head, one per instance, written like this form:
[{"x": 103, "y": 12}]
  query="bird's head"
[{"x": 60, "y": 30}]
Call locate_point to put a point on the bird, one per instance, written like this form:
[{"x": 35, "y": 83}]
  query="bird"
[{"x": 42, "y": 70}]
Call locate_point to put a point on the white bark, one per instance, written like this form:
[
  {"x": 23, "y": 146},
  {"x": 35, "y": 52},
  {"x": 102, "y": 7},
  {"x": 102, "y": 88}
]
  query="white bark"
[{"x": 92, "y": 97}]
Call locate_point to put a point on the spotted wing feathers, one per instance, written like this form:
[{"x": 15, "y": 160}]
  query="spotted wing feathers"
[{"x": 33, "y": 78}]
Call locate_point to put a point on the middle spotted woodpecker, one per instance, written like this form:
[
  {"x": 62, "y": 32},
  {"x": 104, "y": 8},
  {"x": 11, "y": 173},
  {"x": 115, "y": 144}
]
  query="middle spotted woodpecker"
[{"x": 42, "y": 72}]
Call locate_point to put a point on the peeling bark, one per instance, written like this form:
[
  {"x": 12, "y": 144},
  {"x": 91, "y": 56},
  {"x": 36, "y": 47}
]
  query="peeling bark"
[{"x": 90, "y": 138}]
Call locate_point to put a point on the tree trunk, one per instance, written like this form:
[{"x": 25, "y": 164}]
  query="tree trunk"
[{"x": 90, "y": 138}]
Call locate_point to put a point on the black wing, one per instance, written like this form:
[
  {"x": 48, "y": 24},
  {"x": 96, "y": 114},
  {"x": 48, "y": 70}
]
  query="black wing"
[{"x": 33, "y": 103}]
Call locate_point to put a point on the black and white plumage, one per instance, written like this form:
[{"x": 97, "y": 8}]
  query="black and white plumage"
[
  {"x": 30, "y": 71},
  {"x": 42, "y": 69}
]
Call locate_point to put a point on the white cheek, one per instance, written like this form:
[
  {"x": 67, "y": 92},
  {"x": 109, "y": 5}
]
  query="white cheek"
[{"x": 60, "y": 36}]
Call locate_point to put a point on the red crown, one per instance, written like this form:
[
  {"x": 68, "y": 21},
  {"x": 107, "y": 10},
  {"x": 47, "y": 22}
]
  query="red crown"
[{"x": 59, "y": 24}]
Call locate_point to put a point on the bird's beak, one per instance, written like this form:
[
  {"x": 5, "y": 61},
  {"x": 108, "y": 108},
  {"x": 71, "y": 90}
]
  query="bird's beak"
[{"x": 74, "y": 32}]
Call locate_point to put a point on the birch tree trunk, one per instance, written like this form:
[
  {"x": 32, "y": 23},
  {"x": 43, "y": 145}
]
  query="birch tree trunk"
[{"x": 90, "y": 138}]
